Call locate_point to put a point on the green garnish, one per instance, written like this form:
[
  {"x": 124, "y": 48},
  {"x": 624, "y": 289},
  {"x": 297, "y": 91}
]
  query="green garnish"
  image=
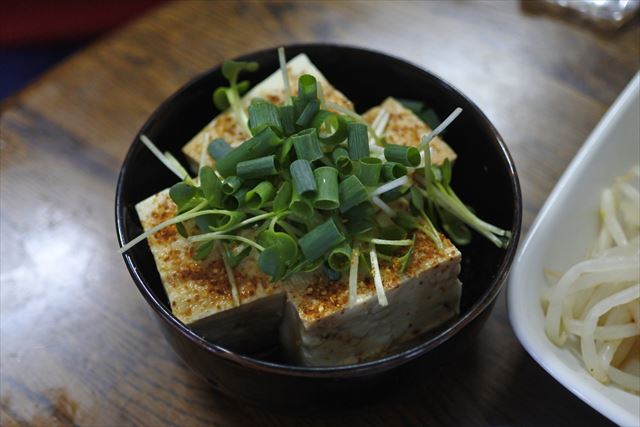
[
  {"x": 225, "y": 97},
  {"x": 316, "y": 189}
]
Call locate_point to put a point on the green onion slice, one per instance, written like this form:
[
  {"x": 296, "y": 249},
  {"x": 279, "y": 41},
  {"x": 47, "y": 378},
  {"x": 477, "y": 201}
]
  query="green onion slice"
[
  {"x": 307, "y": 88},
  {"x": 360, "y": 219},
  {"x": 263, "y": 114},
  {"x": 393, "y": 170},
  {"x": 408, "y": 156},
  {"x": 300, "y": 206},
  {"x": 258, "y": 168},
  {"x": 288, "y": 119},
  {"x": 231, "y": 184},
  {"x": 218, "y": 148},
  {"x": 340, "y": 257},
  {"x": 307, "y": 145},
  {"x": 259, "y": 195},
  {"x": 341, "y": 161},
  {"x": 327, "y": 197},
  {"x": 264, "y": 143},
  {"x": 358, "y": 142},
  {"x": 308, "y": 113},
  {"x": 316, "y": 243},
  {"x": 368, "y": 171},
  {"x": 352, "y": 193},
  {"x": 332, "y": 128},
  {"x": 303, "y": 178}
]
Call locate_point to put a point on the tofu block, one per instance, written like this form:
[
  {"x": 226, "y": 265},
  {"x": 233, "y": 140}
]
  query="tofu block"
[
  {"x": 405, "y": 128},
  {"x": 199, "y": 290},
  {"x": 320, "y": 329},
  {"x": 272, "y": 89}
]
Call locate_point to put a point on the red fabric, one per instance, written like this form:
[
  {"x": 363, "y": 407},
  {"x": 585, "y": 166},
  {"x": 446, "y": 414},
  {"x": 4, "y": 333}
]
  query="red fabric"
[{"x": 30, "y": 22}]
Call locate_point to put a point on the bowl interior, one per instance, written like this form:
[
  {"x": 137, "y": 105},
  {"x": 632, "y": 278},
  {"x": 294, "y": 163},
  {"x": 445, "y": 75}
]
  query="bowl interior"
[{"x": 483, "y": 176}]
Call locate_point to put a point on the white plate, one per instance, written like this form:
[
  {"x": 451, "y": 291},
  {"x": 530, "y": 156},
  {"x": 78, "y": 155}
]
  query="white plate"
[{"x": 561, "y": 235}]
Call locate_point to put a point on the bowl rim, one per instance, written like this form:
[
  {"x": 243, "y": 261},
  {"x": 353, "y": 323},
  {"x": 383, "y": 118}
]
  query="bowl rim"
[{"x": 377, "y": 365}]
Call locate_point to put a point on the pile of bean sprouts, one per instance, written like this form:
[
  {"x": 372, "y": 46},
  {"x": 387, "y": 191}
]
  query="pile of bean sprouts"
[{"x": 596, "y": 303}]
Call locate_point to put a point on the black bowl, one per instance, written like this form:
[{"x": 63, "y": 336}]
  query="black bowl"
[{"x": 484, "y": 177}]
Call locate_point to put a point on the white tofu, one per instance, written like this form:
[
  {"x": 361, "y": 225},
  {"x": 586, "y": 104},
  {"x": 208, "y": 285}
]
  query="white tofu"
[
  {"x": 320, "y": 329},
  {"x": 198, "y": 290},
  {"x": 272, "y": 89}
]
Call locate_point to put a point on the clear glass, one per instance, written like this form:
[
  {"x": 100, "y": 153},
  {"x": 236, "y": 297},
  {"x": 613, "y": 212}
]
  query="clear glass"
[{"x": 610, "y": 13}]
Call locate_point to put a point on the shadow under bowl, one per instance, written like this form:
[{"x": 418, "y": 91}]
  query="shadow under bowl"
[{"x": 484, "y": 177}]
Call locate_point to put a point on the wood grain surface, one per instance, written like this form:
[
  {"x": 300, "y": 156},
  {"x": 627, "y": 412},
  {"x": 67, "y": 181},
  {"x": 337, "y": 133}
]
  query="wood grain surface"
[{"x": 77, "y": 345}]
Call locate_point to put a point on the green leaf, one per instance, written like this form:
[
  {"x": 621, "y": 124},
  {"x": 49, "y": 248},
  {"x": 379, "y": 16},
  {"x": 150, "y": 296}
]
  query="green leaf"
[
  {"x": 445, "y": 169},
  {"x": 280, "y": 252},
  {"x": 232, "y": 69},
  {"x": 211, "y": 186},
  {"x": 203, "y": 250},
  {"x": 182, "y": 194},
  {"x": 220, "y": 99},
  {"x": 455, "y": 229},
  {"x": 283, "y": 197}
]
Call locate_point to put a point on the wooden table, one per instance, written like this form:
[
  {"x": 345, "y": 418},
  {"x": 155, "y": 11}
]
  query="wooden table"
[{"x": 77, "y": 346}]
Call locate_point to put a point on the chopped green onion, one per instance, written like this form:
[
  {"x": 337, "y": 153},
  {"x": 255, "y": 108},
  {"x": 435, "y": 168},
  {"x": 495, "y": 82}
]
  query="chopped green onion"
[
  {"x": 307, "y": 145},
  {"x": 352, "y": 193},
  {"x": 341, "y": 160},
  {"x": 327, "y": 197},
  {"x": 340, "y": 257},
  {"x": 300, "y": 206},
  {"x": 302, "y": 176},
  {"x": 264, "y": 143},
  {"x": 358, "y": 141},
  {"x": 288, "y": 119},
  {"x": 368, "y": 171},
  {"x": 316, "y": 243},
  {"x": 308, "y": 113},
  {"x": 231, "y": 184},
  {"x": 258, "y": 168},
  {"x": 307, "y": 88},
  {"x": 218, "y": 148},
  {"x": 283, "y": 197},
  {"x": 332, "y": 128},
  {"x": 408, "y": 156},
  {"x": 360, "y": 219},
  {"x": 331, "y": 274},
  {"x": 262, "y": 114},
  {"x": 239, "y": 196},
  {"x": 392, "y": 170},
  {"x": 259, "y": 195}
]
